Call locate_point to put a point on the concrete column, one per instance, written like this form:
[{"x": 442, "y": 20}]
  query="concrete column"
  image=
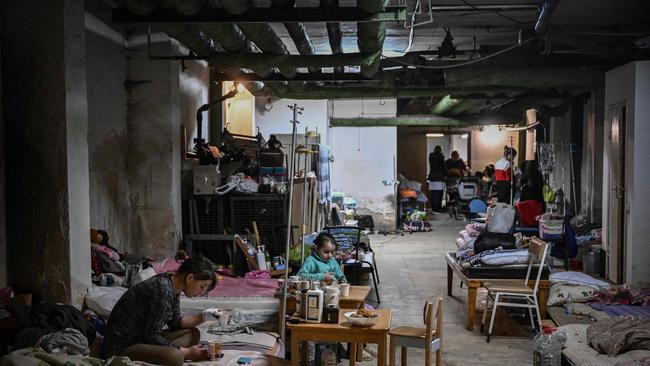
[
  {"x": 46, "y": 147},
  {"x": 154, "y": 161}
]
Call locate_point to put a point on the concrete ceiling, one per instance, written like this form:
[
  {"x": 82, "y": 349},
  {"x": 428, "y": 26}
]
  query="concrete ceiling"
[{"x": 585, "y": 38}]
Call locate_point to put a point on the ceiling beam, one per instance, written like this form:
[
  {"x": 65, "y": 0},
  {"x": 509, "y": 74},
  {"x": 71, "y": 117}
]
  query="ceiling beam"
[
  {"x": 336, "y": 92},
  {"x": 459, "y": 120},
  {"x": 262, "y": 15},
  {"x": 277, "y": 77}
]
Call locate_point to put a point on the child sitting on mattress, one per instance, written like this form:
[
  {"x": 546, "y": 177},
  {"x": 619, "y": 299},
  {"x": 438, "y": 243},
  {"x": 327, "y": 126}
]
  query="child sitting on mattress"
[{"x": 321, "y": 265}]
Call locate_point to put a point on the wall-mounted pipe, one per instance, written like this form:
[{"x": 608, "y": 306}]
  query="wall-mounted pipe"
[{"x": 545, "y": 15}]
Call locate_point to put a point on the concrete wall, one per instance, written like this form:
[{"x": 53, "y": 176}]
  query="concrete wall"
[
  {"x": 460, "y": 144},
  {"x": 630, "y": 84},
  {"x": 154, "y": 157},
  {"x": 364, "y": 158},
  {"x": 194, "y": 93},
  {"x": 47, "y": 153},
  {"x": 106, "y": 73}
]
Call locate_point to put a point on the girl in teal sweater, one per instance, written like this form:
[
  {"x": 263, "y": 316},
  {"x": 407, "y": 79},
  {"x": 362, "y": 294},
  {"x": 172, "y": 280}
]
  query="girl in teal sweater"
[{"x": 321, "y": 265}]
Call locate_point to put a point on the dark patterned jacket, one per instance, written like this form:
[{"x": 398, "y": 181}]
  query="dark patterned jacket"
[{"x": 140, "y": 315}]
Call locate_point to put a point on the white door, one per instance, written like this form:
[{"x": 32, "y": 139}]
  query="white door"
[{"x": 616, "y": 193}]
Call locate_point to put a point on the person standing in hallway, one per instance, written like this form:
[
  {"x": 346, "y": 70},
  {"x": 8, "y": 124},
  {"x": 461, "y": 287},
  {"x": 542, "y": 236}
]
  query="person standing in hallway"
[
  {"x": 456, "y": 167},
  {"x": 436, "y": 178},
  {"x": 503, "y": 175}
]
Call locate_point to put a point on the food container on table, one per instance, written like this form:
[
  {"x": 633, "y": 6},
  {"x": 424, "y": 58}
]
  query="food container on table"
[{"x": 360, "y": 322}]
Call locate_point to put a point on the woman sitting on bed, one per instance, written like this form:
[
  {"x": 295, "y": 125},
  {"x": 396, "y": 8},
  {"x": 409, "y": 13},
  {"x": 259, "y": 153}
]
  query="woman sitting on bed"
[
  {"x": 135, "y": 326},
  {"x": 321, "y": 265}
]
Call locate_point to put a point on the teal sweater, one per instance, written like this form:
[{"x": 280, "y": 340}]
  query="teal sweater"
[{"x": 315, "y": 268}]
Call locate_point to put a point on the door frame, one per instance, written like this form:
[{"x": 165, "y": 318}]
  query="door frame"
[{"x": 616, "y": 193}]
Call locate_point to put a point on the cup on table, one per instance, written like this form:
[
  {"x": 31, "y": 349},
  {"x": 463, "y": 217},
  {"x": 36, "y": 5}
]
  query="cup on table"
[
  {"x": 214, "y": 349},
  {"x": 345, "y": 289}
]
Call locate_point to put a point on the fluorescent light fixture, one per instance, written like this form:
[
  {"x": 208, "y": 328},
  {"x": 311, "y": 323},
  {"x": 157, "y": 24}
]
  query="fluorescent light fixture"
[
  {"x": 464, "y": 136},
  {"x": 435, "y": 135}
]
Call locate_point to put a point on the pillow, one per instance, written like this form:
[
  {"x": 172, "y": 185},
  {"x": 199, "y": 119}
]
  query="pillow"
[
  {"x": 559, "y": 293},
  {"x": 506, "y": 257}
]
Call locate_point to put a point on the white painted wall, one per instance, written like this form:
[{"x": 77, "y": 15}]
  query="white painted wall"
[
  {"x": 276, "y": 120},
  {"x": 444, "y": 142},
  {"x": 364, "y": 158},
  {"x": 630, "y": 84},
  {"x": 459, "y": 144},
  {"x": 487, "y": 145}
]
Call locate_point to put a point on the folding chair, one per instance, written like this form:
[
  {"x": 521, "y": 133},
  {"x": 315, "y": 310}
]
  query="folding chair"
[
  {"x": 350, "y": 236},
  {"x": 427, "y": 337},
  {"x": 502, "y": 292}
]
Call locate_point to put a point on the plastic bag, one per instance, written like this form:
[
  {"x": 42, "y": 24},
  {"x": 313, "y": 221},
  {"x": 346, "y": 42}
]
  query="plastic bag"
[{"x": 500, "y": 218}]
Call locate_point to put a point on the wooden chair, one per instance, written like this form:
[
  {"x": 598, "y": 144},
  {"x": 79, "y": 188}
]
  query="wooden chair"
[
  {"x": 426, "y": 337},
  {"x": 502, "y": 292}
]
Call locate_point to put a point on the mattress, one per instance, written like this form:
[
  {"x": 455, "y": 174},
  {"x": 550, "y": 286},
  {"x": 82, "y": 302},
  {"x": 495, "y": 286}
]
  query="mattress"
[{"x": 578, "y": 351}]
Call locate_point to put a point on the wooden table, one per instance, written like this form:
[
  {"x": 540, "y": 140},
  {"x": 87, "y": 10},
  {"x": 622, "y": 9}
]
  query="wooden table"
[
  {"x": 473, "y": 285},
  {"x": 357, "y": 296},
  {"x": 342, "y": 332}
]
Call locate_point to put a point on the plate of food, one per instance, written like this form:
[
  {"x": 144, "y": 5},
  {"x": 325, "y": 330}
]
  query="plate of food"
[{"x": 361, "y": 317}]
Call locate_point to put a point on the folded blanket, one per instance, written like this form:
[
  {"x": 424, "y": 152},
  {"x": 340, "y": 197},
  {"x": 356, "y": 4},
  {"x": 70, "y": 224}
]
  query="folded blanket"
[{"x": 620, "y": 334}]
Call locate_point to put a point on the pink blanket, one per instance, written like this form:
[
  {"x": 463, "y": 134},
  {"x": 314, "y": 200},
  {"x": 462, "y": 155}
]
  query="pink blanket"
[
  {"x": 228, "y": 286},
  {"x": 243, "y": 287}
]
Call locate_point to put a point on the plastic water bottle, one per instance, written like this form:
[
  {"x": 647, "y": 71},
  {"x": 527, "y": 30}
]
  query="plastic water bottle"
[
  {"x": 328, "y": 357},
  {"x": 548, "y": 347}
]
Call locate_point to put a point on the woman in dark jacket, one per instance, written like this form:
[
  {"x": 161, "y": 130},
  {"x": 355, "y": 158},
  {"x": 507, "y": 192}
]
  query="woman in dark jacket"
[{"x": 437, "y": 176}]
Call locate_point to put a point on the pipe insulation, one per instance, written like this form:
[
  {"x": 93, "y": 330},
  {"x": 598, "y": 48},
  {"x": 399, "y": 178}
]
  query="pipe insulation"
[
  {"x": 370, "y": 39},
  {"x": 236, "y": 7},
  {"x": 261, "y": 34},
  {"x": 187, "y": 7},
  {"x": 265, "y": 38},
  {"x": 372, "y": 6},
  {"x": 296, "y": 31},
  {"x": 233, "y": 40}
]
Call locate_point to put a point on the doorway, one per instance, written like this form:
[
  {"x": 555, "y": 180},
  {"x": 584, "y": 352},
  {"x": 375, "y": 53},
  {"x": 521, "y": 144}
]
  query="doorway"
[{"x": 616, "y": 222}]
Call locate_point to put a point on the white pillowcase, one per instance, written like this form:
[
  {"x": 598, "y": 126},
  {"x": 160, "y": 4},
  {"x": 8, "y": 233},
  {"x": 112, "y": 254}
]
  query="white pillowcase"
[{"x": 559, "y": 293}]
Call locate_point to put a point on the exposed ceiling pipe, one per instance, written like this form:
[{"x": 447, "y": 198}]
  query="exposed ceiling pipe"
[
  {"x": 371, "y": 35},
  {"x": 545, "y": 15},
  {"x": 370, "y": 39},
  {"x": 233, "y": 40},
  {"x": 140, "y": 7},
  {"x": 237, "y": 7},
  {"x": 265, "y": 38},
  {"x": 261, "y": 34},
  {"x": 334, "y": 33},
  {"x": 187, "y": 7},
  {"x": 296, "y": 31},
  {"x": 335, "y": 36}
]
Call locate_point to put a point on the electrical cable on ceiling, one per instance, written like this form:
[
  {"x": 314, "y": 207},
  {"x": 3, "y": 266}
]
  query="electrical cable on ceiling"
[
  {"x": 500, "y": 14},
  {"x": 432, "y": 67}
]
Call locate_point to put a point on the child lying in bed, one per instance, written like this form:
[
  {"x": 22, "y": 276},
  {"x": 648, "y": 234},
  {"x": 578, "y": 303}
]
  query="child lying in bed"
[{"x": 321, "y": 265}]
